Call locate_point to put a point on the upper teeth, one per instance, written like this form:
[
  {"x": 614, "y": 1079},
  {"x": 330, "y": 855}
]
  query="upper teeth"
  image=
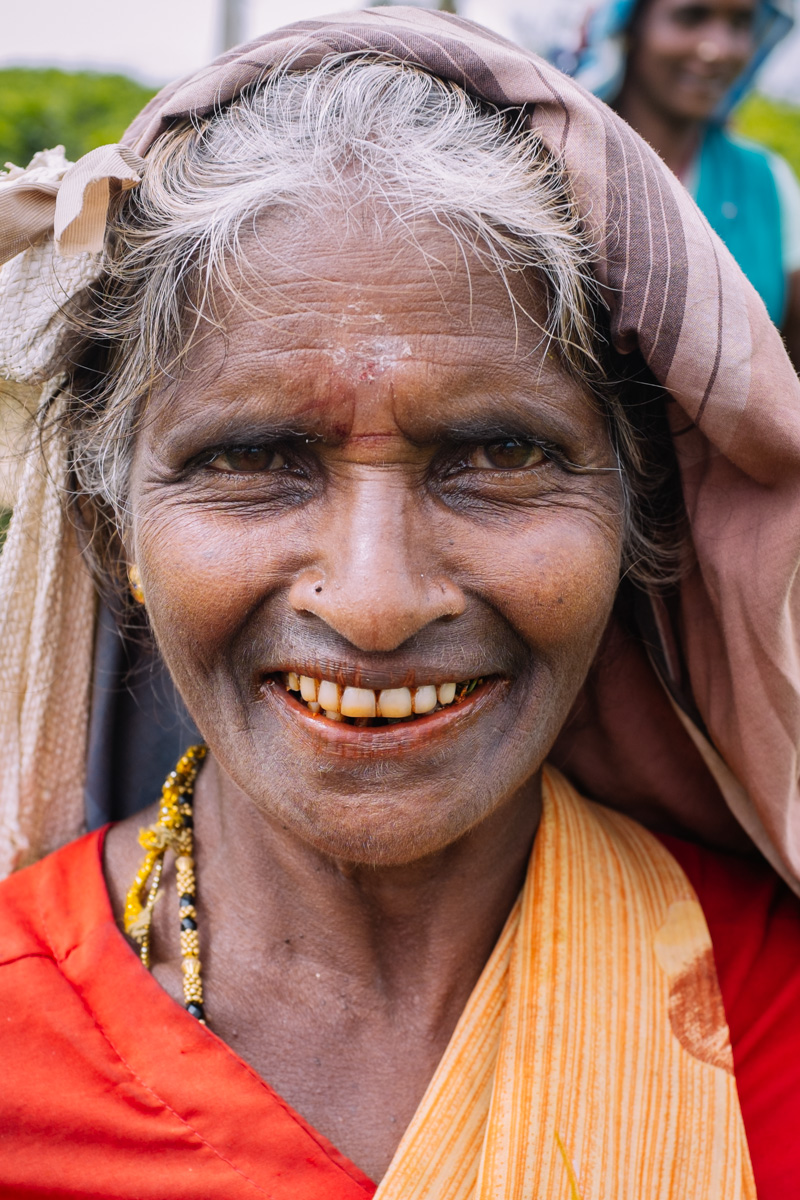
[{"x": 365, "y": 702}]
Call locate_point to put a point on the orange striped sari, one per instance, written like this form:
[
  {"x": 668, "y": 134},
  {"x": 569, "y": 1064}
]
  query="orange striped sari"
[{"x": 592, "y": 1060}]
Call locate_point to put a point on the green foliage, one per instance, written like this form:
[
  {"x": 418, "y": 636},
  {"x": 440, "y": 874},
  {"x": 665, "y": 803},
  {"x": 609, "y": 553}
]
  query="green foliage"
[
  {"x": 773, "y": 124},
  {"x": 40, "y": 109},
  {"x": 83, "y": 109}
]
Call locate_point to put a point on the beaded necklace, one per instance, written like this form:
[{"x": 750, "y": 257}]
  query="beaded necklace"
[{"x": 172, "y": 831}]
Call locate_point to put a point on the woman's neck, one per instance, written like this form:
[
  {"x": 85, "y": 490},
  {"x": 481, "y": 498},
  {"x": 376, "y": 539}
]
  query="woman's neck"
[
  {"x": 381, "y": 924},
  {"x": 676, "y": 139}
]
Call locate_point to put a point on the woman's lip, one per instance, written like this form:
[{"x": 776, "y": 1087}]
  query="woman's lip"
[
  {"x": 715, "y": 82},
  {"x": 385, "y": 739}
]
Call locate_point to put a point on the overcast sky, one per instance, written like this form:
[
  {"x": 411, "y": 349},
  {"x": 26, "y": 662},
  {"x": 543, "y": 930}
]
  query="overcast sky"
[{"x": 157, "y": 40}]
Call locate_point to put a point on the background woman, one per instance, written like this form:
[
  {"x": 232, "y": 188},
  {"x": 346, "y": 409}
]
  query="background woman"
[
  {"x": 341, "y": 414},
  {"x": 674, "y": 69}
]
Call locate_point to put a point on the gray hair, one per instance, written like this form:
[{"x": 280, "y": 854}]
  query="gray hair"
[{"x": 353, "y": 130}]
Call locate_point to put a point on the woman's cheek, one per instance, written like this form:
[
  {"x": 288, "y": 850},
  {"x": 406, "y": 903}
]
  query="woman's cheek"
[
  {"x": 203, "y": 578},
  {"x": 556, "y": 584}
]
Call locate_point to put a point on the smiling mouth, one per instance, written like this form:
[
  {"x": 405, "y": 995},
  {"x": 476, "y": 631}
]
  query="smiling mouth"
[{"x": 369, "y": 707}]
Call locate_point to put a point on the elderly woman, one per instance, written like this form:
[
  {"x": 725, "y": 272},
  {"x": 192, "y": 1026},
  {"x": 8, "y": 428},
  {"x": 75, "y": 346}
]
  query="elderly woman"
[{"x": 413, "y": 409}]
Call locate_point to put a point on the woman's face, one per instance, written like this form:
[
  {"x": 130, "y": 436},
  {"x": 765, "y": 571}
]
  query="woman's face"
[
  {"x": 685, "y": 54},
  {"x": 379, "y": 477}
]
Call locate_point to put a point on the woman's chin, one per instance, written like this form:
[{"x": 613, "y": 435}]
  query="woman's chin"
[
  {"x": 359, "y": 836},
  {"x": 697, "y": 99},
  {"x": 385, "y": 794}
]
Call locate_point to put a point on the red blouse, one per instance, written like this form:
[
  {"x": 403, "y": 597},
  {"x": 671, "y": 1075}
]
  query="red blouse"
[{"x": 108, "y": 1088}]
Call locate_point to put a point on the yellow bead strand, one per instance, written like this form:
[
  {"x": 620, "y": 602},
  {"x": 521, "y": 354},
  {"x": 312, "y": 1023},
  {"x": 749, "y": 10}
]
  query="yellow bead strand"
[{"x": 172, "y": 831}]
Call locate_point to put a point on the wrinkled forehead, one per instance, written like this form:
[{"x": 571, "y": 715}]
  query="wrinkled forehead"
[
  {"x": 319, "y": 314},
  {"x": 359, "y": 263}
]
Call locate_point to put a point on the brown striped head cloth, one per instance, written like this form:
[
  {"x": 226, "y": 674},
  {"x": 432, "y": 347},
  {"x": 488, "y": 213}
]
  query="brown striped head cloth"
[{"x": 695, "y": 720}]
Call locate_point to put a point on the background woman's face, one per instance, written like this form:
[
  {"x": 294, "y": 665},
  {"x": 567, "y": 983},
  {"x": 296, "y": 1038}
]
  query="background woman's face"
[
  {"x": 685, "y": 54},
  {"x": 378, "y": 476}
]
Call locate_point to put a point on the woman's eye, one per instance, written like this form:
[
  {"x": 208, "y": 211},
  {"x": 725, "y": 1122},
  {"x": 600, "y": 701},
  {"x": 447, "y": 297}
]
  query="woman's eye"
[
  {"x": 690, "y": 17},
  {"x": 248, "y": 460},
  {"x": 512, "y": 454}
]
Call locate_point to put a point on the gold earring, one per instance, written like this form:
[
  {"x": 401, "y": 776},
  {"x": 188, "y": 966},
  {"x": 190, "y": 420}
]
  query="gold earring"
[{"x": 135, "y": 583}]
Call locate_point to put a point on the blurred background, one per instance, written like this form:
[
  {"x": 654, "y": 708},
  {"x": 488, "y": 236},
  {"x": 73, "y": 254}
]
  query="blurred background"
[{"x": 61, "y": 61}]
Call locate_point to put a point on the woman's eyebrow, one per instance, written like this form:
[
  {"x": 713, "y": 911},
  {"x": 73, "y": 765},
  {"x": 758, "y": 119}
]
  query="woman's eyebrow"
[
  {"x": 505, "y": 416},
  {"x": 481, "y": 428},
  {"x": 241, "y": 430}
]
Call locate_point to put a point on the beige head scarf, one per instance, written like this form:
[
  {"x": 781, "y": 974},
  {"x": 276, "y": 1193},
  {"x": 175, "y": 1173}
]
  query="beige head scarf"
[{"x": 712, "y": 709}]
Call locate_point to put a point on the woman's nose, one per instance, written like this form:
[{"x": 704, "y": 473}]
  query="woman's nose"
[
  {"x": 708, "y": 51},
  {"x": 377, "y": 578}
]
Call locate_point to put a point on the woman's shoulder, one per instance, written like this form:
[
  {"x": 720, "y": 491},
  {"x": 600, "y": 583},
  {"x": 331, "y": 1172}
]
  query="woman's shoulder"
[
  {"x": 735, "y": 144},
  {"x": 746, "y": 156},
  {"x": 754, "y": 922},
  {"x": 44, "y": 906}
]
